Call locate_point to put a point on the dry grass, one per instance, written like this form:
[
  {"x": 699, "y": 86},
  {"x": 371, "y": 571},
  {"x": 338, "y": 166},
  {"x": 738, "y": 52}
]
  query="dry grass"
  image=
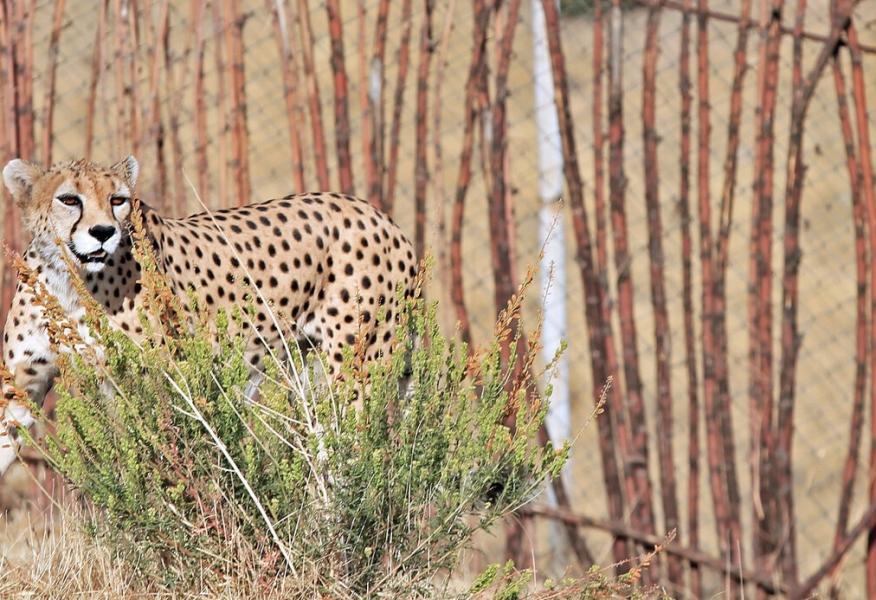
[
  {"x": 54, "y": 557},
  {"x": 825, "y": 372}
]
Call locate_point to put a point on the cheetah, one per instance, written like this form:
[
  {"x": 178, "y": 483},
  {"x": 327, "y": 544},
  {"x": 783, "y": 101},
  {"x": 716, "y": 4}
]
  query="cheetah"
[{"x": 326, "y": 263}]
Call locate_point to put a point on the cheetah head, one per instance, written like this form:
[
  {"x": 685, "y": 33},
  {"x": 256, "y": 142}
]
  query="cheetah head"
[{"x": 84, "y": 205}]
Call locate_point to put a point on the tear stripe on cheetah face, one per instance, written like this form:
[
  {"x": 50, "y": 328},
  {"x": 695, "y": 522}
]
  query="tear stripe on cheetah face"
[
  {"x": 323, "y": 265},
  {"x": 82, "y": 204}
]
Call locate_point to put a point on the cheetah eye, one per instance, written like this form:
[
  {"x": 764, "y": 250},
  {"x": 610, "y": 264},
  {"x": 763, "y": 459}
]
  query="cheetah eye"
[
  {"x": 118, "y": 200},
  {"x": 70, "y": 199}
]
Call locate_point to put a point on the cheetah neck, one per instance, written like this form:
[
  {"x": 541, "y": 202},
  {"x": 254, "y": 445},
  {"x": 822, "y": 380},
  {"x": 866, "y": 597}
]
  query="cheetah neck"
[{"x": 44, "y": 257}]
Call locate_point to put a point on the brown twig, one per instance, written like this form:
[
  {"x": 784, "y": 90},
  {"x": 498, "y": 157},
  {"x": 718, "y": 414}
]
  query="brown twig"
[
  {"x": 7, "y": 89},
  {"x": 500, "y": 243},
  {"x": 366, "y": 124},
  {"x": 289, "y": 67},
  {"x": 592, "y": 290},
  {"x": 155, "y": 123},
  {"x": 179, "y": 186},
  {"x": 642, "y": 513},
  {"x": 715, "y": 15},
  {"x": 864, "y": 147},
  {"x": 202, "y": 140},
  {"x": 803, "y": 92},
  {"x": 11, "y": 217},
  {"x": 690, "y": 555},
  {"x": 7, "y": 93},
  {"x": 479, "y": 41},
  {"x": 313, "y": 97},
  {"x": 866, "y": 523},
  {"x": 720, "y": 465},
  {"x": 760, "y": 291},
  {"x": 862, "y": 349},
  {"x": 132, "y": 44},
  {"x": 618, "y": 412},
  {"x": 222, "y": 188},
  {"x": 728, "y": 190},
  {"x": 24, "y": 11},
  {"x": 374, "y": 157},
  {"x": 662, "y": 345},
  {"x": 441, "y": 196},
  {"x": 118, "y": 69},
  {"x": 398, "y": 104},
  {"x": 421, "y": 167},
  {"x": 49, "y": 102},
  {"x": 342, "y": 113},
  {"x": 504, "y": 285},
  {"x": 718, "y": 318},
  {"x": 693, "y": 450},
  {"x": 233, "y": 25},
  {"x": 96, "y": 68}
]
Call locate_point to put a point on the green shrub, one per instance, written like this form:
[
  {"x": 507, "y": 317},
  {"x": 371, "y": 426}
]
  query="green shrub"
[
  {"x": 296, "y": 486},
  {"x": 576, "y": 8}
]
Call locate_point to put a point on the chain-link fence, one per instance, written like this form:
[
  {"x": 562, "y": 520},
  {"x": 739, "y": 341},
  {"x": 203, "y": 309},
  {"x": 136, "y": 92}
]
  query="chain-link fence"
[{"x": 227, "y": 102}]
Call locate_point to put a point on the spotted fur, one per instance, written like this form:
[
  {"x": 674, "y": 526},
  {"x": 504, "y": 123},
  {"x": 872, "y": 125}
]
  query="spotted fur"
[{"x": 325, "y": 264}]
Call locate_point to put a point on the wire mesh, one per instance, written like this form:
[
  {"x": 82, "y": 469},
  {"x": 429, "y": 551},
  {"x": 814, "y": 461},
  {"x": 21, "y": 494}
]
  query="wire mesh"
[{"x": 135, "y": 71}]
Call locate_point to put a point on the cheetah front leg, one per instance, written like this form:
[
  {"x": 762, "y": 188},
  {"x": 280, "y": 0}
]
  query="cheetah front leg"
[
  {"x": 31, "y": 361},
  {"x": 35, "y": 377}
]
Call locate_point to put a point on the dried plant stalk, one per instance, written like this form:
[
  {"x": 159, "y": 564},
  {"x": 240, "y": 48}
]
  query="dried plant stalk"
[
  {"x": 11, "y": 217},
  {"x": 421, "y": 166},
  {"x": 784, "y": 525},
  {"x": 132, "y": 43},
  {"x": 222, "y": 105},
  {"x": 865, "y": 149},
  {"x": 618, "y": 410},
  {"x": 289, "y": 64},
  {"x": 234, "y": 22},
  {"x": 49, "y": 102},
  {"x": 24, "y": 76},
  {"x": 313, "y": 100},
  {"x": 374, "y": 156},
  {"x": 118, "y": 69},
  {"x": 366, "y": 124},
  {"x": 804, "y": 89},
  {"x": 479, "y": 41},
  {"x": 178, "y": 157},
  {"x": 721, "y": 465},
  {"x": 862, "y": 348},
  {"x": 693, "y": 450},
  {"x": 642, "y": 515},
  {"x": 669, "y": 495},
  {"x": 155, "y": 123},
  {"x": 592, "y": 291},
  {"x": 404, "y": 60},
  {"x": 96, "y": 68},
  {"x": 7, "y": 89},
  {"x": 718, "y": 321},
  {"x": 437, "y": 179},
  {"x": 866, "y": 523},
  {"x": 760, "y": 292},
  {"x": 202, "y": 140},
  {"x": 342, "y": 113},
  {"x": 722, "y": 248},
  {"x": 500, "y": 246}
]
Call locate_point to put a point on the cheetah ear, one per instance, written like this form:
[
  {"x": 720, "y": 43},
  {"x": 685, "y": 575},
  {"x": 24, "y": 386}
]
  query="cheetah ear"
[
  {"x": 128, "y": 168},
  {"x": 19, "y": 177}
]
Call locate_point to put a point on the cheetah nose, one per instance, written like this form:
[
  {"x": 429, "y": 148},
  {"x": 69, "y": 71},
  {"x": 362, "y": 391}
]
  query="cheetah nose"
[{"x": 102, "y": 232}]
